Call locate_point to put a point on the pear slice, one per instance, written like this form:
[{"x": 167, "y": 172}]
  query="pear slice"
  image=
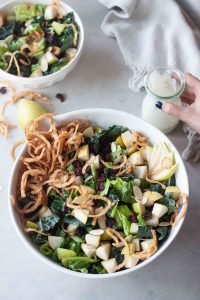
[
  {"x": 165, "y": 174},
  {"x": 140, "y": 172}
]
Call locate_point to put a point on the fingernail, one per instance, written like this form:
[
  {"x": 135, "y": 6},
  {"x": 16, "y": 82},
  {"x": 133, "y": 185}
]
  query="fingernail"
[{"x": 159, "y": 104}]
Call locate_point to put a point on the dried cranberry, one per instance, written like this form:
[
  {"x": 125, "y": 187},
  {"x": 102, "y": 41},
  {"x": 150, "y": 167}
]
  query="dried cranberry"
[
  {"x": 80, "y": 231},
  {"x": 100, "y": 186},
  {"x": 77, "y": 163},
  {"x": 102, "y": 177},
  {"x": 133, "y": 218},
  {"x": 107, "y": 156},
  {"x": 60, "y": 97},
  {"x": 67, "y": 210},
  {"x": 33, "y": 60},
  {"x": 78, "y": 171},
  {"x": 45, "y": 24},
  {"x": 147, "y": 216},
  {"x": 3, "y": 90},
  {"x": 110, "y": 222}
]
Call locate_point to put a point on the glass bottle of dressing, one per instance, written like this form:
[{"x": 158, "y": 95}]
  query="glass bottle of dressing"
[{"x": 162, "y": 84}]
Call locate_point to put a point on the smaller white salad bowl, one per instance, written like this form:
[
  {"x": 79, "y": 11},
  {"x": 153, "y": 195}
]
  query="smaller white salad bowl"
[
  {"x": 49, "y": 80},
  {"x": 102, "y": 118}
]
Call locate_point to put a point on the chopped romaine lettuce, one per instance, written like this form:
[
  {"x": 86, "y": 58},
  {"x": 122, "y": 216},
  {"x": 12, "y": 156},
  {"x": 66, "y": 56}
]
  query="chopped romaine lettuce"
[
  {"x": 25, "y": 12},
  {"x": 124, "y": 189},
  {"x": 106, "y": 188},
  {"x": 16, "y": 45}
]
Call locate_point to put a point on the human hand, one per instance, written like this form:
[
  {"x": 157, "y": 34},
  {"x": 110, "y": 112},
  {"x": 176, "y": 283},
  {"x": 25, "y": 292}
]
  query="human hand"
[{"x": 191, "y": 95}]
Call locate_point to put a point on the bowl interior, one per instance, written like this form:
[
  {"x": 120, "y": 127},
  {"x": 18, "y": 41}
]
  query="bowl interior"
[
  {"x": 8, "y": 8},
  {"x": 104, "y": 118}
]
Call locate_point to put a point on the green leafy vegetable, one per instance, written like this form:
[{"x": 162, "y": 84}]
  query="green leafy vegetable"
[
  {"x": 124, "y": 189},
  {"x": 46, "y": 249},
  {"x": 16, "y": 45},
  {"x": 162, "y": 232},
  {"x": 141, "y": 221},
  {"x": 169, "y": 202},
  {"x": 126, "y": 225},
  {"x": 78, "y": 263},
  {"x": 24, "y": 12},
  {"x": 144, "y": 232},
  {"x": 106, "y": 189},
  {"x": 7, "y": 30},
  {"x": 47, "y": 223}
]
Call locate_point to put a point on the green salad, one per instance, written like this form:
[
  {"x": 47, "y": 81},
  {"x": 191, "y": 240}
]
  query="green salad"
[
  {"x": 37, "y": 40},
  {"x": 96, "y": 200}
]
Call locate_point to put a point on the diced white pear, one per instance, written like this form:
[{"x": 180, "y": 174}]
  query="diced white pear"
[
  {"x": 154, "y": 221},
  {"x": 45, "y": 212},
  {"x": 88, "y": 132},
  {"x": 92, "y": 240},
  {"x": 110, "y": 265},
  {"x": 71, "y": 228},
  {"x": 87, "y": 190},
  {"x": 137, "y": 244},
  {"x": 88, "y": 249},
  {"x": 83, "y": 153},
  {"x": 94, "y": 160},
  {"x": 132, "y": 262},
  {"x": 159, "y": 210},
  {"x": 136, "y": 159},
  {"x": 137, "y": 181},
  {"x": 55, "y": 241},
  {"x": 97, "y": 232},
  {"x": 127, "y": 138},
  {"x": 146, "y": 244},
  {"x": 51, "y": 12},
  {"x": 51, "y": 58},
  {"x": 140, "y": 172},
  {"x": 113, "y": 147},
  {"x": 134, "y": 228},
  {"x": 81, "y": 214},
  {"x": 103, "y": 251}
]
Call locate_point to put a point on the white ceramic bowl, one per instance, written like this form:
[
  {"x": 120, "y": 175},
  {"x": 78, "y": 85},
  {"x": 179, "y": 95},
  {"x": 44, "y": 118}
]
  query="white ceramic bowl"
[
  {"x": 49, "y": 80},
  {"x": 103, "y": 118}
]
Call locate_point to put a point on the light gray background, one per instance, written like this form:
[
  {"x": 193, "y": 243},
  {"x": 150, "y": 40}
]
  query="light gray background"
[{"x": 99, "y": 80}]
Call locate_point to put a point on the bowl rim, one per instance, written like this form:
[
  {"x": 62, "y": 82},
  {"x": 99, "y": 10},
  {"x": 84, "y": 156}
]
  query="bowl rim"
[
  {"x": 56, "y": 266},
  {"x": 50, "y": 76}
]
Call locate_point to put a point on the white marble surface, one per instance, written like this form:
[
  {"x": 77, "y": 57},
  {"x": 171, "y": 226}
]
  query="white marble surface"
[{"x": 100, "y": 80}]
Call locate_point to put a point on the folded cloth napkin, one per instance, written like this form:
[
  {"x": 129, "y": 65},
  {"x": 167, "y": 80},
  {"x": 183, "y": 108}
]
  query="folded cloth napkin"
[{"x": 152, "y": 33}]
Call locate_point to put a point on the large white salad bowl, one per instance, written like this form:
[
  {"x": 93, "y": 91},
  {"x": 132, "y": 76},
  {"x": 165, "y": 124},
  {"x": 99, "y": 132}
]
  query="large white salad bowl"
[{"x": 103, "y": 118}]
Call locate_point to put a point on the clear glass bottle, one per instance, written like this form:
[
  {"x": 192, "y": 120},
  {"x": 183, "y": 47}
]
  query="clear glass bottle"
[{"x": 162, "y": 84}]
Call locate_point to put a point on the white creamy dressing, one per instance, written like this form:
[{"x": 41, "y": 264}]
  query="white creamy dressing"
[{"x": 162, "y": 85}]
